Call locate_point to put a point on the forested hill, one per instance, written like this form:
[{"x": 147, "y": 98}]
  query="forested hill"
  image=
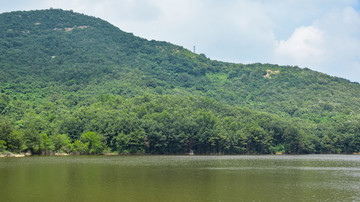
[{"x": 74, "y": 83}]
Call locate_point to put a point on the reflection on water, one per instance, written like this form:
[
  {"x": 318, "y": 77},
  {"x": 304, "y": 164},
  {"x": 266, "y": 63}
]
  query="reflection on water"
[{"x": 181, "y": 178}]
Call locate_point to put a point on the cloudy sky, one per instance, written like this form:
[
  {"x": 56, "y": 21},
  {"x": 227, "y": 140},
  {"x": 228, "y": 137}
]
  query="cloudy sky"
[{"x": 323, "y": 35}]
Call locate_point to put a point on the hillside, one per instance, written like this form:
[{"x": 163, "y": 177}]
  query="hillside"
[{"x": 65, "y": 74}]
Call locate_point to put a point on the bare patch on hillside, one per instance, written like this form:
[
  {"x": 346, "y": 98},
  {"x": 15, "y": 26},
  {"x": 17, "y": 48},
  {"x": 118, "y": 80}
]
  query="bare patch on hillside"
[
  {"x": 270, "y": 72},
  {"x": 69, "y": 29}
]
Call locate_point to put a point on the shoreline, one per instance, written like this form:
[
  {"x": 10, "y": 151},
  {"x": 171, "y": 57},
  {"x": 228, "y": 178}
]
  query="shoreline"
[
  {"x": 11, "y": 155},
  {"x": 21, "y": 155}
]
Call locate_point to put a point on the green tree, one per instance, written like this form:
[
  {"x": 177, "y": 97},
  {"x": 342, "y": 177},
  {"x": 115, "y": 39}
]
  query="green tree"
[
  {"x": 94, "y": 142},
  {"x": 2, "y": 145},
  {"x": 293, "y": 139},
  {"x": 78, "y": 147},
  {"x": 34, "y": 133},
  {"x": 5, "y": 130},
  {"x": 122, "y": 143},
  {"x": 16, "y": 142},
  {"x": 61, "y": 142},
  {"x": 73, "y": 126},
  {"x": 355, "y": 143},
  {"x": 4, "y": 102},
  {"x": 46, "y": 144},
  {"x": 136, "y": 141},
  {"x": 33, "y": 140}
]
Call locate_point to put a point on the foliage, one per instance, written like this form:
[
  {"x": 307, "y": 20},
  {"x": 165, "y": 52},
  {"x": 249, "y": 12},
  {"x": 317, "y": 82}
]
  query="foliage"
[
  {"x": 93, "y": 142},
  {"x": 79, "y": 147},
  {"x": 74, "y": 83},
  {"x": 16, "y": 142},
  {"x": 2, "y": 145},
  {"x": 61, "y": 142}
]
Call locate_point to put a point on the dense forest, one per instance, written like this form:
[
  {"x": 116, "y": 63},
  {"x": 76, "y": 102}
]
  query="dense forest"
[{"x": 76, "y": 84}]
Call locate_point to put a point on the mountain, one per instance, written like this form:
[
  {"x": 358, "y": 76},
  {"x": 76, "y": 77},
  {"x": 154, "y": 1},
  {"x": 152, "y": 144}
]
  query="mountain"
[{"x": 65, "y": 74}]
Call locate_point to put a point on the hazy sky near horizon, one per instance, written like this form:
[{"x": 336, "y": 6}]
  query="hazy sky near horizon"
[{"x": 323, "y": 35}]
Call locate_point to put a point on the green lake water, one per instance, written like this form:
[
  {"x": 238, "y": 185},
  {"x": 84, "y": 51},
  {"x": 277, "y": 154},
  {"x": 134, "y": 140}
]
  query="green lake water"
[{"x": 181, "y": 178}]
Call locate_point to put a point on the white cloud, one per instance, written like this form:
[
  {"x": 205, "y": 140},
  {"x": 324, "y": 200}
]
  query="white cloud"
[
  {"x": 330, "y": 45},
  {"x": 306, "y": 44}
]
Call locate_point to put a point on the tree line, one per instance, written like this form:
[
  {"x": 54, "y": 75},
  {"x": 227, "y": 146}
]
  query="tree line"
[{"x": 155, "y": 124}]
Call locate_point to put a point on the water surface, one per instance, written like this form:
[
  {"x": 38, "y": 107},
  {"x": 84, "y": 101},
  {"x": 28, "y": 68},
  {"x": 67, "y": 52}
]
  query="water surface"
[{"x": 181, "y": 178}]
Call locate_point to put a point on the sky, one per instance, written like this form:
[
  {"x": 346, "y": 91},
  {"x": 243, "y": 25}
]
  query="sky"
[{"x": 322, "y": 35}]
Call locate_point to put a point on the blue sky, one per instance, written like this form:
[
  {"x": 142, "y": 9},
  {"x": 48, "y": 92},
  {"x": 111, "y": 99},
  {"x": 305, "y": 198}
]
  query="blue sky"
[{"x": 323, "y": 35}]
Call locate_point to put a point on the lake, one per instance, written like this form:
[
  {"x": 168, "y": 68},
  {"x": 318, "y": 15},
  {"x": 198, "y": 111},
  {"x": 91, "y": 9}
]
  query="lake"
[{"x": 181, "y": 178}]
